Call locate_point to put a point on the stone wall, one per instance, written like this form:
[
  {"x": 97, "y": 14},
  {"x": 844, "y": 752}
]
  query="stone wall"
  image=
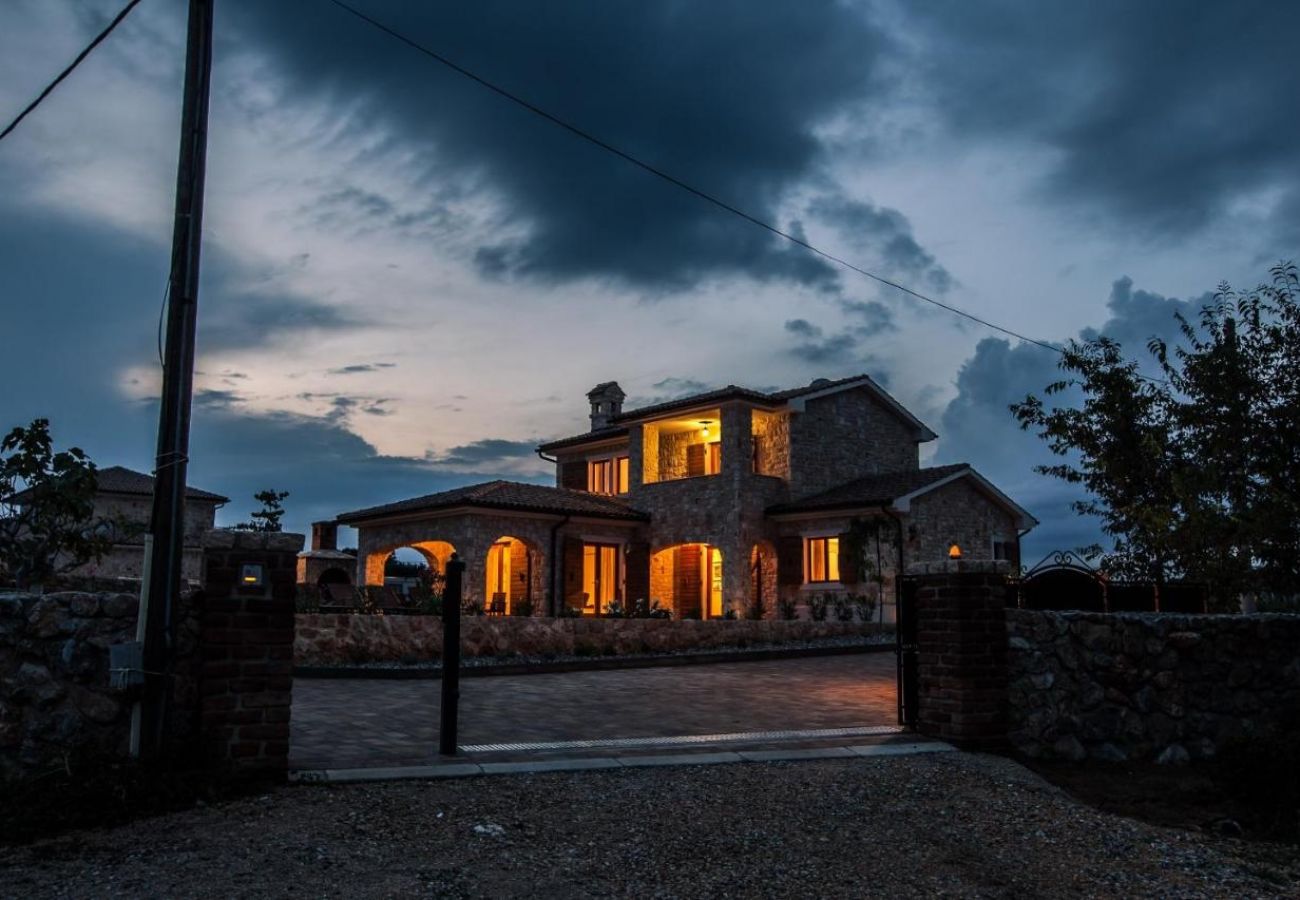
[
  {"x": 54, "y": 693},
  {"x": 1149, "y": 686},
  {"x": 230, "y": 677},
  {"x": 324, "y": 640}
]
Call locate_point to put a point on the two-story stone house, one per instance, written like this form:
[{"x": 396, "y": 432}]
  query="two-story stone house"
[{"x": 708, "y": 504}]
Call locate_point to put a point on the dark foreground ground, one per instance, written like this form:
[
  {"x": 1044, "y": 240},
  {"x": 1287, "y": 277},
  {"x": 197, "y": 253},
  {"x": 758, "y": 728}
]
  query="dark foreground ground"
[{"x": 942, "y": 824}]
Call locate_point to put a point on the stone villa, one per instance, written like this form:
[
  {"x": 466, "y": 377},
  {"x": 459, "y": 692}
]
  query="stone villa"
[{"x": 708, "y": 504}]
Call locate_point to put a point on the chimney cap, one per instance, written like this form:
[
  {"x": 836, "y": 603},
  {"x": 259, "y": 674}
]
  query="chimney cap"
[{"x": 606, "y": 388}]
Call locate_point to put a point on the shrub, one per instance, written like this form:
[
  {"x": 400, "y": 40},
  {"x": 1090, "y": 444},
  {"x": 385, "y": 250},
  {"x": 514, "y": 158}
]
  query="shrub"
[
  {"x": 522, "y": 608},
  {"x": 568, "y": 612},
  {"x": 787, "y": 610},
  {"x": 865, "y": 605},
  {"x": 818, "y": 606},
  {"x": 730, "y": 615},
  {"x": 843, "y": 607},
  {"x": 615, "y": 610}
]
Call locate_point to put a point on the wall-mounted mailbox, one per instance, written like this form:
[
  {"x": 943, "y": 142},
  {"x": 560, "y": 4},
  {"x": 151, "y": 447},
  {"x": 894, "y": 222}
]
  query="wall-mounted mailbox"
[{"x": 252, "y": 575}]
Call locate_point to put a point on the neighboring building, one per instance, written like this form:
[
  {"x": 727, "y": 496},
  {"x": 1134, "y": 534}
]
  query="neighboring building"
[
  {"x": 125, "y": 498},
  {"x": 709, "y": 504},
  {"x": 324, "y": 563}
]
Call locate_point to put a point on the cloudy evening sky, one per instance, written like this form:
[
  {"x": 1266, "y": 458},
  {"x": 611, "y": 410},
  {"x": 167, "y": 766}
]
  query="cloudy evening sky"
[{"x": 409, "y": 282}]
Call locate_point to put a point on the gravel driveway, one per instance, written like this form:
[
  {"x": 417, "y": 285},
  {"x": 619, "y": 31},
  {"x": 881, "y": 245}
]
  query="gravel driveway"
[{"x": 942, "y": 824}]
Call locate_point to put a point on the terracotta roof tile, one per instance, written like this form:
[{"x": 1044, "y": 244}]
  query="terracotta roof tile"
[
  {"x": 512, "y": 495},
  {"x": 874, "y": 490}
]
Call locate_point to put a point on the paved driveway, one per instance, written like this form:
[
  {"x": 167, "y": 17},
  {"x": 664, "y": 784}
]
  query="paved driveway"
[{"x": 370, "y": 722}]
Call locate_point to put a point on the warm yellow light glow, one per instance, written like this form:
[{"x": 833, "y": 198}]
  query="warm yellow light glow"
[
  {"x": 705, "y": 430},
  {"x": 250, "y": 579},
  {"x": 954, "y": 552}
]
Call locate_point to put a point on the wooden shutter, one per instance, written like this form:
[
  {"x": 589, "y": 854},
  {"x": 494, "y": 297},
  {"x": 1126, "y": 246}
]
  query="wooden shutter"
[
  {"x": 789, "y": 560},
  {"x": 637, "y": 579},
  {"x": 573, "y": 475},
  {"x": 573, "y": 572},
  {"x": 694, "y": 460},
  {"x": 850, "y": 549}
]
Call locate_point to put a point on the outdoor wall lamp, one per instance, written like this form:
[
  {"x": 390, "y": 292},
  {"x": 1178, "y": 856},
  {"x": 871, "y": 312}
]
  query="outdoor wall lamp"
[{"x": 954, "y": 552}]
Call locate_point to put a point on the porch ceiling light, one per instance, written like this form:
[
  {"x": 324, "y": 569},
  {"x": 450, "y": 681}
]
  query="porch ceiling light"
[
  {"x": 706, "y": 423},
  {"x": 954, "y": 552}
]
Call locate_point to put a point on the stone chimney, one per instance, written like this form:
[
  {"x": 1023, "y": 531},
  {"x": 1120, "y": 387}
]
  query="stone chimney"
[
  {"x": 324, "y": 535},
  {"x": 606, "y": 402}
]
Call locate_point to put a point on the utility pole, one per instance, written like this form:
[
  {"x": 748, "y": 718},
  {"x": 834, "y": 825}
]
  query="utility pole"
[{"x": 167, "y": 522}]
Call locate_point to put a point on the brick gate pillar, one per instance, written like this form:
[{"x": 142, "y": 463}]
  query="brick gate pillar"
[
  {"x": 245, "y": 650},
  {"x": 962, "y": 651}
]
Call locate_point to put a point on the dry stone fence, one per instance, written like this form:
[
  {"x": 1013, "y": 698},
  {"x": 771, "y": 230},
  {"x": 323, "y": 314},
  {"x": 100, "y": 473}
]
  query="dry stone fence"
[{"x": 1111, "y": 686}]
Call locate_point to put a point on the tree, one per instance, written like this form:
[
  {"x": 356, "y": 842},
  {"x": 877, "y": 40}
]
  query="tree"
[
  {"x": 47, "y": 507},
  {"x": 268, "y": 517},
  {"x": 1192, "y": 473}
]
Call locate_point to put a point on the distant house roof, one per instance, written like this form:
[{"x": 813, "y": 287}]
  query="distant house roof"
[
  {"x": 511, "y": 495},
  {"x": 897, "y": 490},
  {"x": 121, "y": 480},
  {"x": 774, "y": 399}
]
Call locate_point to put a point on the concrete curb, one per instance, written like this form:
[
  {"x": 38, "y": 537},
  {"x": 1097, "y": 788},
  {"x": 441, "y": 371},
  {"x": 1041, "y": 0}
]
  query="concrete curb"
[
  {"x": 586, "y": 665},
  {"x": 460, "y": 769}
]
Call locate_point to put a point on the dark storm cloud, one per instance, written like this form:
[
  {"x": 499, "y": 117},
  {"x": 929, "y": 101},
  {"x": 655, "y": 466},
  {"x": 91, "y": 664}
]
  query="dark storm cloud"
[
  {"x": 487, "y": 451},
  {"x": 722, "y": 96},
  {"x": 977, "y": 426},
  {"x": 358, "y": 368},
  {"x": 1162, "y": 114},
  {"x": 868, "y": 319},
  {"x": 885, "y": 232},
  {"x": 815, "y": 348},
  {"x": 246, "y": 320}
]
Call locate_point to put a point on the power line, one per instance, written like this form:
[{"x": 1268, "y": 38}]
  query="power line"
[
  {"x": 117, "y": 20},
  {"x": 675, "y": 181}
]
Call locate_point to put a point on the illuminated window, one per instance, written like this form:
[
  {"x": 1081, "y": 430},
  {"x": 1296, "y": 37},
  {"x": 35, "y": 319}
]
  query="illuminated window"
[
  {"x": 600, "y": 476},
  {"x": 823, "y": 563},
  {"x": 608, "y": 476},
  {"x": 601, "y": 578}
]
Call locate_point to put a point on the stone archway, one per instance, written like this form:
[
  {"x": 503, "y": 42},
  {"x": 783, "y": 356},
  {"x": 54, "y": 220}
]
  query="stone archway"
[
  {"x": 434, "y": 552},
  {"x": 688, "y": 579},
  {"x": 513, "y": 573},
  {"x": 334, "y": 575}
]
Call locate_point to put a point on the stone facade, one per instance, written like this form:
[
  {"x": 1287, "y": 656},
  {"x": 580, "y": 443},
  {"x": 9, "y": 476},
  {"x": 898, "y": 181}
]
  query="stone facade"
[
  {"x": 1147, "y": 685},
  {"x": 844, "y": 436},
  {"x": 957, "y": 513},
  {"x": 331, "y": 640}
]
